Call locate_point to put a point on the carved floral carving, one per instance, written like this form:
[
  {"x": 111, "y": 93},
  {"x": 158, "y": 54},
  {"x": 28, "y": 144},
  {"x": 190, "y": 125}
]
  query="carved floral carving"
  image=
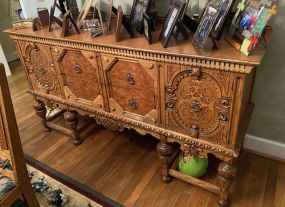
[
  {"x": 192, "y": 99},
  {"x": 40, "y": 68}
]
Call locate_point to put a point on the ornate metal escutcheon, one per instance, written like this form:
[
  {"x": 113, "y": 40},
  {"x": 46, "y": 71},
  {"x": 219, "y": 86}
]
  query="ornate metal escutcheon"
[
  {"x": 130, "y": 79},
  {"x": 132, "y": 103}
]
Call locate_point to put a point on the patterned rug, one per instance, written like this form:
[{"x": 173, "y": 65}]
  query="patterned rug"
[{"x": 55, "y": 189}]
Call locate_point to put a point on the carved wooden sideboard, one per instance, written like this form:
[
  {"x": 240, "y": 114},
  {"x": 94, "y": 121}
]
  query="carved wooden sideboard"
[{"x": 201, "y": 100}]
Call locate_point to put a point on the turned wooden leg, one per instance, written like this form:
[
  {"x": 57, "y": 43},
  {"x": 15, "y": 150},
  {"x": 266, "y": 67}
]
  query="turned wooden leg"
[
  {"x": 71, "y": 119},
  {"x": 226, "y": 174},
  {"x": 165, "y": 150},
  {"x": 41, "y": 111}
]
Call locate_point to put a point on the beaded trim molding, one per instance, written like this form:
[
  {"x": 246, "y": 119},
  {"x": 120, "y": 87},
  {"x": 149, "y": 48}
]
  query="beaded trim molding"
[{"x": 205, "y": 62}]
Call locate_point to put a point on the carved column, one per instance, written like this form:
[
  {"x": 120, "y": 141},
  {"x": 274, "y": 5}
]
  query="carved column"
[
  {"x": 71, "y": 118},
  {"x": 165, "y": 151},
  {"x": 226, "y": 174},
  {"x": 41, "y": 111}
]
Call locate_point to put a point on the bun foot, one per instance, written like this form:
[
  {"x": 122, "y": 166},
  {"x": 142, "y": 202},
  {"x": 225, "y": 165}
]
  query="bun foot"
[
  {"x": 77, "y": 142},
  {"x": 166, "y": 179},
  {"x": 223, "y": 203},
  {"x": 47, "y": 129}
]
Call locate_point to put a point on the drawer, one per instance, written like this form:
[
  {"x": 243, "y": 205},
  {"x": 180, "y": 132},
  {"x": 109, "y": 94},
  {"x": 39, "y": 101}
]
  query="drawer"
[
  {"x": 79, "y": 74},
  {"x": 198, "y": 102},
  {"x": 132, "y": 88},
  {"x": 40, "y": 68}
]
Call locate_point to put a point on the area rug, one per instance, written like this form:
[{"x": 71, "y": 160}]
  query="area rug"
[{"x": 56, "y": 189}]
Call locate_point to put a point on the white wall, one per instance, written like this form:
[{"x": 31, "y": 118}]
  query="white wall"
[{"x": 30, "y": 7}]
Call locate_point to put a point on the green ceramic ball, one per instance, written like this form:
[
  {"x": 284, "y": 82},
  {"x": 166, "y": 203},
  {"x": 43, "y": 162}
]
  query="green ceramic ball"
[{"x": 195, "y": 167}]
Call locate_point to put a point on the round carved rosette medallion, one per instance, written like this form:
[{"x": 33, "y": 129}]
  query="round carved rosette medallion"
[{"x": 196, "y": 101}]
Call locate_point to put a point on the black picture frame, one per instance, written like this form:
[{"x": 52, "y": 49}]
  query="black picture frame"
[
  {"x": 138, "y": 9},
  {"x": 221, "y": 18},
  {"x": 147, "y": 27},
  {"x": 171, "y": 19}
]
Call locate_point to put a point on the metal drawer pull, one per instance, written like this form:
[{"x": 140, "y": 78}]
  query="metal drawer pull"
[
  {"x": 77, "y": 68},
  {"x": 196, "y": 106},
  {"x": 132, "y": 104},
  {"x": 130, "y": 79}
]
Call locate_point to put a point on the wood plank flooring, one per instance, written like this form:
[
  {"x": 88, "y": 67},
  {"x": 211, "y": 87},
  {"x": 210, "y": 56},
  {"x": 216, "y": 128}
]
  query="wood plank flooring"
[{"x": 124, "y": 166}]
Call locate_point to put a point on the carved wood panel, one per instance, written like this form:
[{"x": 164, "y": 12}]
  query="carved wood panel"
[
  {"x": 198, "y": 102},
  {"x": 40, "y": 68},
  {"x": 132, "y": 87},
  {"x": 80, "y": 79}
]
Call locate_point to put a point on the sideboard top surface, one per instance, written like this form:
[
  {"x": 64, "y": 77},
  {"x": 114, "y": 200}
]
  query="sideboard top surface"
[{"x": 175, "y": 46}]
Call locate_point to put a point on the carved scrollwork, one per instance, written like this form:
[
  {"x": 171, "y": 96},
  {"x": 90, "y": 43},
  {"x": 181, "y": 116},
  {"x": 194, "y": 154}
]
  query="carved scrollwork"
[
  {"x": 109, "y": 123},
  {"x": 170, "y": 98},
  {"x": 40, "y": 68},
  {"x": 223, "y": 109},
  {"x": 193, "y": 97}
]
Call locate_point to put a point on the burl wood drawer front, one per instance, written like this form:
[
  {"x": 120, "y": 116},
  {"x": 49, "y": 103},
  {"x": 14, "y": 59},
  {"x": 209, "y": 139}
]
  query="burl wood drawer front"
[
  {"x": 39, "y": 66},
  {"x": 80, "y": 78},
  {"x": 132, "y": 88},
  {"x": 198, "y": 102}
]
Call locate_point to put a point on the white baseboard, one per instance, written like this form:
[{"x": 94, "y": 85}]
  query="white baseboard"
[
  {"x": 265, "y": 146},
  {"x": 12, "y": 56}
]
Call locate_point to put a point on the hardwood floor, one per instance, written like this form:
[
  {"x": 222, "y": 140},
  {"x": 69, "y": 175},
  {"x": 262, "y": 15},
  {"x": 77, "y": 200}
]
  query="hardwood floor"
[{"x": 124, "y": 166}]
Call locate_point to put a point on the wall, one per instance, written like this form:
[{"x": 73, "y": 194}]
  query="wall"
[
  {"x": 7, "y": 44},
  {"x": 268, "y": 119}
]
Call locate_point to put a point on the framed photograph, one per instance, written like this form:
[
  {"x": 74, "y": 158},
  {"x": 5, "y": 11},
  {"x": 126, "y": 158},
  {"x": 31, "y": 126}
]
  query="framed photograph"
[
  {"x": 119, "y": 19},
  {"x": 147, "y": 27},
  {"x": 176, "y": 29},
  {"x": 206, "y": 24},
  {"x": 219, "y": 23},
  {"x": 91, "y": 24},
  {"x": 138, "y": 9},
  {"x": 171, "y": 19},
  {"x": 84, "y": 11}
]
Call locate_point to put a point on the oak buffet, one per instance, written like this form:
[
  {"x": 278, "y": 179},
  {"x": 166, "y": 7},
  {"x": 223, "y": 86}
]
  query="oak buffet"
[{"x": 201, "y": 100}]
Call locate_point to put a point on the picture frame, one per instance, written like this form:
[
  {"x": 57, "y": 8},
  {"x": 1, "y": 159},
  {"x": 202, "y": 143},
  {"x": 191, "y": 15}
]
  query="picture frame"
[
  {"x": 206, "y": 24},
  {"x": 119, "y": 19},
  {"x": 171, "y": 19},
  {"x": 176, "y": 29},
  {"x": 97, "y": 6},
  {"x": 147, "y": 27},
  {"x": 52, "y": 18},
  {"x": 126, "y": 23},
  {"x": 91, "y": 24},
  {"x": 221, "y": 18},
  {"x": 67, "y": 22},
  {"x": 84, "y": 11},
  {"x": 109, "y": 14},
  {"x": 138, "y": 9}
]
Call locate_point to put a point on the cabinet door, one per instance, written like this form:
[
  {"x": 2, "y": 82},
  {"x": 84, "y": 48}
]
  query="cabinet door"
[
  {"x": 132, "y": 88},
  {"x": 40, "y": 68},
  {"x": 198, "y": 102},
  {"x": 80, "y": 78}
]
